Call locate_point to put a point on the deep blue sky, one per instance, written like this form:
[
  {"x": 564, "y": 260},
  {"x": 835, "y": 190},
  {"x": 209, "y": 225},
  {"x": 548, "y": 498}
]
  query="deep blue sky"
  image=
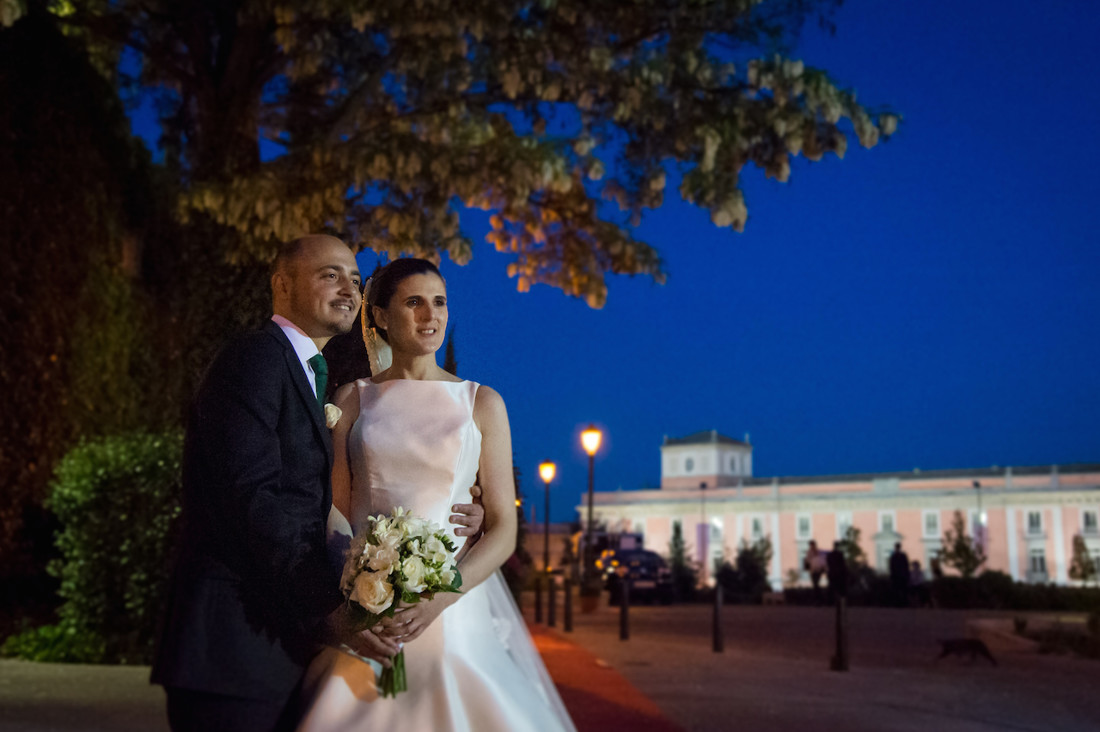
[{"x": 930, "y": 303}]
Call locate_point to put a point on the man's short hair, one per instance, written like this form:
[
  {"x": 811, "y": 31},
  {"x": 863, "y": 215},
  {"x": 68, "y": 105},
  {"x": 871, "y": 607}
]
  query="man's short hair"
[{"x": 289, "y": 250}]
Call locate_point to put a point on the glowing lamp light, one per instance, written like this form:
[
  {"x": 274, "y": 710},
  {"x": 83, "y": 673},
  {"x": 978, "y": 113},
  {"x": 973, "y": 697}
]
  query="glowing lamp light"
[
  {"x": 590, "y": 439},
  {"x": 547, "y": 471}
]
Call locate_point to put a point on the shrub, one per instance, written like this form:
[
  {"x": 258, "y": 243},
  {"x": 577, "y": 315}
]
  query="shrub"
[
  {"x": 64, "y": 642},
  {"x": 683, "y": 571},
  {"x": 747, "y": 580},
  {"x": 117, "y": 499},
  {"x": 996, "y": 590}
]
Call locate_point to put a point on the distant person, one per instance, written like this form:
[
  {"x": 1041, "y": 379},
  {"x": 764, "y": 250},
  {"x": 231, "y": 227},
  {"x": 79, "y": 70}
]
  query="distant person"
[
  {"x": 838, "y": 572},
  {"x": 899, "y": 575},
  {"x": 814, "y": 563},
  {"x": 918, "y": 585}
]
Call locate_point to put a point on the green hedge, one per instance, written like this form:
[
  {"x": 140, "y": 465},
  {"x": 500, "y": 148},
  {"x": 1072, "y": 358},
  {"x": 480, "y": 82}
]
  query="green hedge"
[
  {"x": 989, "y": 590},
  {"x": 117, "y": 499},
  {"x": 996, "y": 590}
]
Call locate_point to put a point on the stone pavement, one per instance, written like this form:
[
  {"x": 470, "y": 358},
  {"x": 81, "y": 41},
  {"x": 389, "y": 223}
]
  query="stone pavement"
[
  {"x": 774, "y": 673},
  {"x": 43, "y": 697},
  {"x": 773, "y": 676}
]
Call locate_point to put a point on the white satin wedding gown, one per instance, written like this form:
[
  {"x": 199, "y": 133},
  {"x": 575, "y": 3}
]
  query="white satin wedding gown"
[{"x": 415, "y": 444}]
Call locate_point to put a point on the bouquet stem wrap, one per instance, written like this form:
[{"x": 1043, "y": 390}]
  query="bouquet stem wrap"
[{"x": 393, "y": 679}]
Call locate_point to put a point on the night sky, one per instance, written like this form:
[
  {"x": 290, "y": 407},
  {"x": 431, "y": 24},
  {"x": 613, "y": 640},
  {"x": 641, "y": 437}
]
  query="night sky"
[{"x": 930, "y": 303}]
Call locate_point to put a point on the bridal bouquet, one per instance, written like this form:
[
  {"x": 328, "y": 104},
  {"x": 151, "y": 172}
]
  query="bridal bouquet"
[{"x": 398, "y": 558}]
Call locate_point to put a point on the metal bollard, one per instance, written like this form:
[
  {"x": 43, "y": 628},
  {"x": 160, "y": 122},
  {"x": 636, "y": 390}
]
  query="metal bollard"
[
  {"x": 538, "y": 598},
  {"x": 719, "y": 640},
  {"x": 568, "y": 620},
  {"x": 551, "y": 604},
  {"x": 840, "y": 660},
  {"x": 624, "y": 609}
]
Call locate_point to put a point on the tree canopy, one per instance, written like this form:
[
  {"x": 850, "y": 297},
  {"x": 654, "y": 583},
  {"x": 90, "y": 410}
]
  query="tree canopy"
[{"x": 382, "y": 120}]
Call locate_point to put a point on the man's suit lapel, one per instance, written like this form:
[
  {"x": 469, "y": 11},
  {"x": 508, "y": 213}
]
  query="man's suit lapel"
[{"x": 305, "y": 391}]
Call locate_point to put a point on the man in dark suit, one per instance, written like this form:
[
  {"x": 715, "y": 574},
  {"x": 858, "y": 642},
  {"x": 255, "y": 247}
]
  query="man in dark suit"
[{"x": 253, "y": 592}]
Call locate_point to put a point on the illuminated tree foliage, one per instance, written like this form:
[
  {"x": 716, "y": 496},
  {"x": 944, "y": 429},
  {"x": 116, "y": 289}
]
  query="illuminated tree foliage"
[
  {"x": 381, "y": 120},
  {"x": 1082, "y": 567}
]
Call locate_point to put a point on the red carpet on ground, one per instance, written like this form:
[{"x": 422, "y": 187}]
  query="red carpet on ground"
[{"x": 598, "y": 698}]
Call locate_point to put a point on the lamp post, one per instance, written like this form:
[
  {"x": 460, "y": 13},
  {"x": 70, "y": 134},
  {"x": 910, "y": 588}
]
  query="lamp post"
[
  {"x": 702, "y": 534},
  {"x": 590, "y": 440},
  {"x": 980, "y": 531},
  {"x": 547, "y": 471}
]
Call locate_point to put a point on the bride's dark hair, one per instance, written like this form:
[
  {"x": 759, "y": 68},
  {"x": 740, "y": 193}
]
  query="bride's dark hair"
[{"x": 384, "y": 282}]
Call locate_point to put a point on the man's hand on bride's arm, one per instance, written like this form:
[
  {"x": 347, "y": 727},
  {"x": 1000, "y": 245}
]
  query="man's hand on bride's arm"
[
  {"x": 411, "y": 620},
  {"x": 469, "y": 517}
]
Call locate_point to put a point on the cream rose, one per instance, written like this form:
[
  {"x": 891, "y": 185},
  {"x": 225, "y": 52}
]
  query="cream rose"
[{"x": 373, "y": 592}]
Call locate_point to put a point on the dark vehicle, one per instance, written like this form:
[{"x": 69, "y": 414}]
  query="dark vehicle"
[{"x": 650, "y": 578}]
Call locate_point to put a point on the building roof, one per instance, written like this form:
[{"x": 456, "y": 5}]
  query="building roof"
[
  {"x": 704, "y": 438},
  {"x": 991, "y": 472}
]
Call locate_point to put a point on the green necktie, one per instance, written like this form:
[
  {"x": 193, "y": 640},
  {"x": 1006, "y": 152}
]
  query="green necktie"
[{"x": 320, "y": 376}]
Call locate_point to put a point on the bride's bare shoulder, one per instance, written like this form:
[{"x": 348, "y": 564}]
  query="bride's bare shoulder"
[{"x": 489, "y": 404}]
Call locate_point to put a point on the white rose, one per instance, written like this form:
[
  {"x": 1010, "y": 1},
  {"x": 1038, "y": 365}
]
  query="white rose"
[
  {"x": 332, "y": 415},
  {"x": 414, "y": 570},
  {"x": 382, "y": 559},
  {"x": 446, "y": 577},
  {"x": 372, "y": 592}
]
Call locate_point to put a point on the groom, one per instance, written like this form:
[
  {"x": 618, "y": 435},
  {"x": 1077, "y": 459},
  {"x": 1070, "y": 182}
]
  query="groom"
[{"x": 253, "y": 591}]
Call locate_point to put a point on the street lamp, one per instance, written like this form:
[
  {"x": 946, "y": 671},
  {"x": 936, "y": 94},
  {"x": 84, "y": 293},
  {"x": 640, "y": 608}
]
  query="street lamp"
[
  {"x": 547, "y": 470},
  {"x": 590, "y": 440}
]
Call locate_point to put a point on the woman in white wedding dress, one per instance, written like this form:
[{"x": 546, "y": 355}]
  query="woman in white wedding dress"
[{"x": 415, "y": 436}]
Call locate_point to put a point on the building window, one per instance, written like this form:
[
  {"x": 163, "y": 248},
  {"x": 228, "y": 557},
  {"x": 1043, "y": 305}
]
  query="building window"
[
  {"x": 689, "y": 465},
  {"x": 931, "y": 524},
  {"x": 757, "y": 528},
  {"x": 843, "y": 523},
  {"x": 1089, "y": 523},
  {"x": 1037, "y": 561},
  {"x": 1034, "y": 522},
  {"x": 886, "y": 522},
  {"x": 805, "y": 527},
  {"x": 733, "y": 465}
]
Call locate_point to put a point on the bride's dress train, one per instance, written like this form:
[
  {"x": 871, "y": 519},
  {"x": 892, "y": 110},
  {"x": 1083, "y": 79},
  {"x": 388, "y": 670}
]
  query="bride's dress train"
[{"x": 415, "y": 444}]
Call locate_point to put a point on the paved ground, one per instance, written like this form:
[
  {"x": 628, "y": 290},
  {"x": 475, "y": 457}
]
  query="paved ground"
[{"x": 773, "y": 676}]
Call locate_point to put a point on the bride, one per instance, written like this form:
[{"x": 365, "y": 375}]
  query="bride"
[{"x": 415, "y": 436}]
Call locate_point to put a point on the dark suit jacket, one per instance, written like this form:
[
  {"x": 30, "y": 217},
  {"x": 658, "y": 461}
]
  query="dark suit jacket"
[{"x": 251, "y": 583}]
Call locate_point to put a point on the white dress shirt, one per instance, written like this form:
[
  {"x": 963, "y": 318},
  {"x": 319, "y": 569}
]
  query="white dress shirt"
[{"x": 303, "y": 345}]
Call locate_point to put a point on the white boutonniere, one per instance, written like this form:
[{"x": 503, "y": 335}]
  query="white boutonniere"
[{"x": 332, "y": 415}]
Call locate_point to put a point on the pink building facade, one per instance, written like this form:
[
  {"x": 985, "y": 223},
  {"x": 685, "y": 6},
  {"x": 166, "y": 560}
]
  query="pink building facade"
[{"x": 1027, "y": 517}]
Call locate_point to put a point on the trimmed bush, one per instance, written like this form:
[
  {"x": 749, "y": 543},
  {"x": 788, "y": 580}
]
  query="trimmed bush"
[
  {"x": 997, "y": 590},
  {"x": 117, "y": 499}
]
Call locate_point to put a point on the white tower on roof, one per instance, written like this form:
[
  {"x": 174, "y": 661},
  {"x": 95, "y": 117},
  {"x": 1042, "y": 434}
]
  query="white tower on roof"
[{"x": 704, "y": 457}]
